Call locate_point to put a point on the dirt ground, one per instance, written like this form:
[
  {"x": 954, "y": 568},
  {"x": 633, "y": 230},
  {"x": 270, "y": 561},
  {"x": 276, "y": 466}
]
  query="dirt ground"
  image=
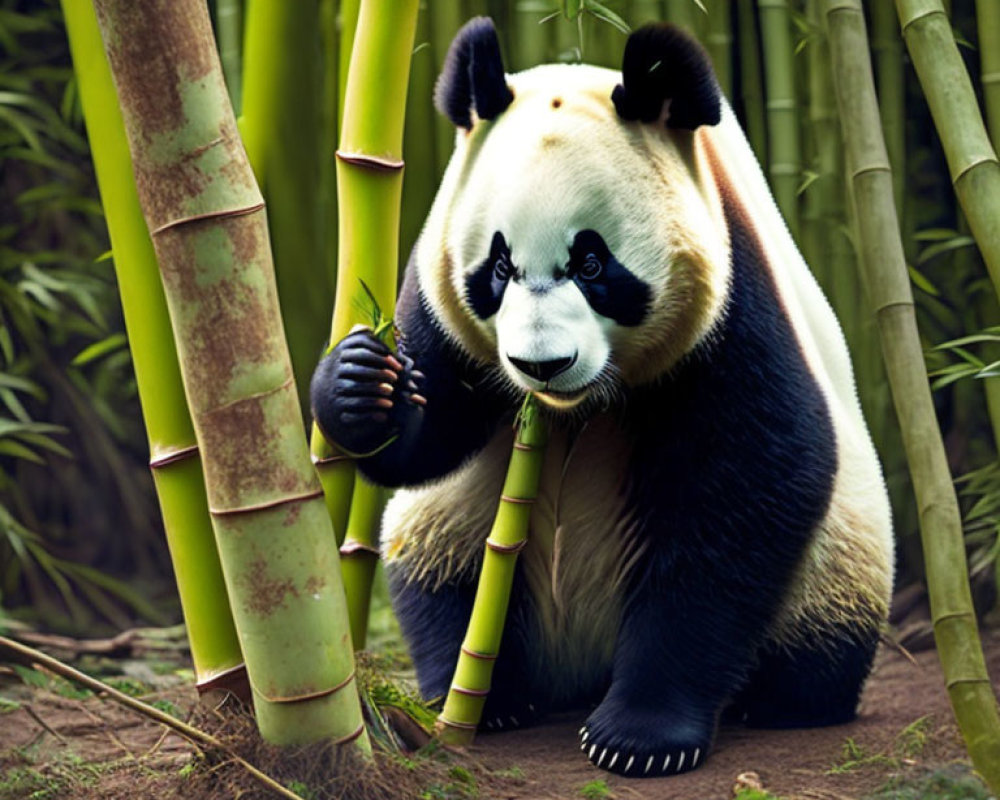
[{"x": 90, "y": 748}]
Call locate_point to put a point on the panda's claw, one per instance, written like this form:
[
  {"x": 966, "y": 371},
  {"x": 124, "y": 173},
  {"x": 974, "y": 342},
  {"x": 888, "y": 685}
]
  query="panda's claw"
[
  {"x": 680, "y": 762},
  {"x": 628, "y": 766},
  {"x": 649, "y": 764},
  {"x": 394, "y": 362}
]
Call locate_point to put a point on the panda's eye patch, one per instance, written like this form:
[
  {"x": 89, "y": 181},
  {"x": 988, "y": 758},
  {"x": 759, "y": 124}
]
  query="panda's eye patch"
[
  {"x": 610, "y": 288},
  {"x": 485, "y": 285},
  {"x": 590, "y": 268}
]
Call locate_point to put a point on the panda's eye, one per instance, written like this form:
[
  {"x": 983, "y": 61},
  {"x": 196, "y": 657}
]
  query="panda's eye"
[
  {"x": 591, "y": 267},
  {"x": 502, "y": 268}
]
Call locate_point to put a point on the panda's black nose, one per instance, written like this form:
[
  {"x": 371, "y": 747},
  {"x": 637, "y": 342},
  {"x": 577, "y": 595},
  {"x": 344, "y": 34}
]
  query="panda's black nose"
[{"x": 543, "y": 371}]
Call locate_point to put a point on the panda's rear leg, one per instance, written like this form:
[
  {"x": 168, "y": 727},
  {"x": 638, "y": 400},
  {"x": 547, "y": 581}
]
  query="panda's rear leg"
[
  {"x": 809, "y": 684},
  {"x": 434, "y": 624}
]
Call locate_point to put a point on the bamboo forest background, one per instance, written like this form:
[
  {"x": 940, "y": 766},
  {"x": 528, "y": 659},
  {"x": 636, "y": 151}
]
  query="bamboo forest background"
[{"x": 79, "y": 524}]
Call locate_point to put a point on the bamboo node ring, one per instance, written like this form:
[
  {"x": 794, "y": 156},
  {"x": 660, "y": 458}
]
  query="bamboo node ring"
[
  {"x": 281, "y": 501},
  {"x": 173, "y": 456},
  {"x": 470, "y": 692},
  {"x": 351, "y": 736},
  {"x": 372, "y": 162},
  {"x": 319, "y": 461},
  {"x": 480, "y": 656},
  {"x": 520, "y": 501},
  {"x": 222, "y": 214},
  {"x": 465, "y": 726},
  {"x": 510, "y": 549},
  {"x": 301, "y": 698},
  {"x": 352, "y": 547},
  {"x": 527, "y": 448}
]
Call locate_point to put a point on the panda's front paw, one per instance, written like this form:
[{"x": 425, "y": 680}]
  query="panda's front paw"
[
  {"x": 363, "y": 394},
  {"x": 646, "y": 742}
]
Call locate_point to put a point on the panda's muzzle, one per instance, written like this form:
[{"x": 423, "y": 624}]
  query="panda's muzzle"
[{"x": 543, "y": 371}]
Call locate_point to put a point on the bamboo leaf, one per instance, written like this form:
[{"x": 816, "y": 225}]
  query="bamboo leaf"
[
  {"x": 602, "y": 12},
  {"x": 937, "y": 249},
  {"x": 9, "y": 447},
  {"x": 921, "y": 282}
]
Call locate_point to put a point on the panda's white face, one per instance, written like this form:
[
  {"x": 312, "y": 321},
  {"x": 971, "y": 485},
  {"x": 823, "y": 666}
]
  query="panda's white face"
[{"x": 570, "y": 248}]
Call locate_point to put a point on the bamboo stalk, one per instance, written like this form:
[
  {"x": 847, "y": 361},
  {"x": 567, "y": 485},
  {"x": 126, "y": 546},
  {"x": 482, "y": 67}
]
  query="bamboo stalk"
[
  {"x": 349, "y": 10},
  {"x": 889, "y": 291},
  {"x": 682, "y": 12},
  {"x": 887, "y": 50},
  {"x": 359, "y": 555},
  {"x": 464, "y": 704},
  {"x": 988, "y": 29},
  {"x": 229, "y": 24},
  {"x": 207, "y": 221},
  {"x": 369, "y": 183},
  {"x": 177, "y": 471},
  {"x": 282, "y": 133},
  {"x": 972, "y": 162},
  {"x": 751, "y": 79},
  {"x": 445, "y": 20},
  {"x": 719, "y": 42},
  {"x": 784, "y": 149},
  {"x": 643, "y": 11}
]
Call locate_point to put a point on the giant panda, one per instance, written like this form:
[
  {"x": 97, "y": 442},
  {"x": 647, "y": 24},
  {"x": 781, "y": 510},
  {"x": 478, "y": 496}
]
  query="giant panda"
[{"x": 712, "y": 532}]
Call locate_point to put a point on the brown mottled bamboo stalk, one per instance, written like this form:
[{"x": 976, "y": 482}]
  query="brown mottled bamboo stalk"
[{"x": 206, "y": 217}]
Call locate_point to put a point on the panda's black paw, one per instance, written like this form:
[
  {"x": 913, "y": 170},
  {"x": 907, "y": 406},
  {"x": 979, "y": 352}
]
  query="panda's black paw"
[
  {"x": 646, "y": 742},
  {"x": 504, "y": 714},
  {"x": 363, "y": 394}
]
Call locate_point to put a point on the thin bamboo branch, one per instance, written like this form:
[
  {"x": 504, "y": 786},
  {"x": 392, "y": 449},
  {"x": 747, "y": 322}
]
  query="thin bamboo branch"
[
  {"x": 100, "y": 688},
  {"x": 464, "y": 704},
  {"x": 888, "y": 286}
]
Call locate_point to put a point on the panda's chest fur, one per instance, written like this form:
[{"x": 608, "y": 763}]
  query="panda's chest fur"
[
  {"x": 582, "y": 545},
  {"x": 581, "y": 542}
]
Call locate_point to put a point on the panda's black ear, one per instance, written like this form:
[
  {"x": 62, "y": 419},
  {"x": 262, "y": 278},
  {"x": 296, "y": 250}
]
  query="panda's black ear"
[
  {"x": 473, "y": 76},
  {"x": 662, "y": 63}
]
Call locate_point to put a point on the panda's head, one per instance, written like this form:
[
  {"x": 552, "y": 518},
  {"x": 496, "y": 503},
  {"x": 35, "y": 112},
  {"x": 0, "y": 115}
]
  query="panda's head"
[{"x": 577, "y": 238}]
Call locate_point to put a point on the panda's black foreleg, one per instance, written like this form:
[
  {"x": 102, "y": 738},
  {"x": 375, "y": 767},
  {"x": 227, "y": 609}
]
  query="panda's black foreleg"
[
  {"x": 680, "y": 654},
  {"x": 434, "y": 623}
]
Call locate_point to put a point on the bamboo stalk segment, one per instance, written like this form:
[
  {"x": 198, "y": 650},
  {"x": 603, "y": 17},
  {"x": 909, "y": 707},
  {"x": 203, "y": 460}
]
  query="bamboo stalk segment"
[
  {"x": 359, "y": 555},
  {"x": 463, "y": 707},
  {"x": 719, "y": 43},
  {"x": 988, "y": 28},
  {"x": 369, "y": 183},
  {"x": 784, "y": 161},
  {"x": 209, "y": 230},
  {"x": 174, "y": 459},
  {"x": 281, "y": 130},
  {"x": 751, "y": 78},
  {"x": 889, "y": 292},
  {"x": 972, "y": 162}
]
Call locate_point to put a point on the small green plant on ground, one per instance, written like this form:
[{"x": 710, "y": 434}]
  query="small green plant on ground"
[
  {"x": 953, "y": 782},
  {"x": 908, "y": 744},
  {"x": 596, "y": 790},
  {"x": 749, "y": 793}
]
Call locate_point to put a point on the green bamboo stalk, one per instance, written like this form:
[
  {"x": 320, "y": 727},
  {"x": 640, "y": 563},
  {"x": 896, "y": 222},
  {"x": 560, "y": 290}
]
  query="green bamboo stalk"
[
  {"x": 229, "y": 28},
  {"x": 177, "y": 471},
  {"x": 784, "y": 151},
  {"x": 751, "y": 79},
  {"x": 988, "y": 29},
  {"x": 419, "y": 138},
  {"x": 463, "y": 707},
  {"x": 972, "y": 162},
  {"x": 642, "y": 11},
  {"x": 719, "y": 42},
  {"x": 282, "y": 132},
  {"x": 683, "y": 13},
  {"x": 330, "y": 129},
  {"x": 349, "y": 10},
  {"x": 359, "y": 555},
  {"x": 889, "y": 291},
  {"x": 369, "y": 183},
  {"x": 887, "y": 49},
  {"x": 445, "y": 20},
  {"x": 206, "y": 217}
]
